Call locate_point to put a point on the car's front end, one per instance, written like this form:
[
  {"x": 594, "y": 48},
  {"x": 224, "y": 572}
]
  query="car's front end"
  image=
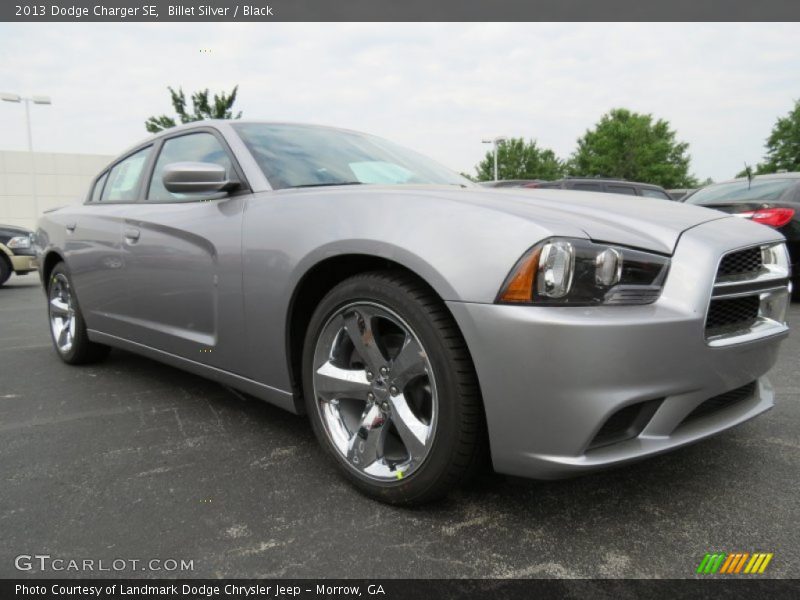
[
  {"x": 771, "y": 200},
  {"x": 569, "y": 388},
  {"x": 17, "y": 250}
]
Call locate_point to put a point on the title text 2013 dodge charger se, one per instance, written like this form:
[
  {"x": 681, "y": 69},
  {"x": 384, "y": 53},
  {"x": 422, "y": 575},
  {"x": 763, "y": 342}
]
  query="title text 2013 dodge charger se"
[{"x": 416, "y": 318}]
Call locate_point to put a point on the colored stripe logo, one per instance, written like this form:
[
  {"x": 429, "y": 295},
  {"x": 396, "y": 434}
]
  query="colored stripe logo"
[{"x": 734, "y": 563}]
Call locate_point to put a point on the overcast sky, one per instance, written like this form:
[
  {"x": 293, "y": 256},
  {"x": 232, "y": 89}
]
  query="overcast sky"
[{"x": 438, "y": 88}]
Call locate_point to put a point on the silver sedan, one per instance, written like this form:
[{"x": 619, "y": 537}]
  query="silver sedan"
[{"x": 423, "y": 323}]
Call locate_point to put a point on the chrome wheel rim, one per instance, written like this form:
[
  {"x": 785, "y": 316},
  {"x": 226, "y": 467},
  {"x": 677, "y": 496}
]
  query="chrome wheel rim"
[
  {"x": 62, "y": 313},
  {"x": 375, "y": 391}
]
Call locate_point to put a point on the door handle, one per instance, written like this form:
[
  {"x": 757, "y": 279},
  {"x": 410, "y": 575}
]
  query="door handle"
[
  {"x": 71, "y": 226},
  {"x": 131, "y": 234}
]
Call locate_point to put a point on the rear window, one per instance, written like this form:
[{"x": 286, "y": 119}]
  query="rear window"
[
  {"x": 98, "y": 187},
  {"x": 621, "y": 189},
  {"x": 764, "y": 190},
  {"x": 648, "y": 193}
]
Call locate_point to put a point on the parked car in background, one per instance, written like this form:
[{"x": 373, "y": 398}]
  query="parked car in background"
[
  {"x": 17, "y": 254},
  {"x": 610, "y": 186},
  {"x": 420, "y": 321},
  {"x": 680, "y": 194},
  {"x": 772, "y": 200},
  {"x": 520, "y": 183}
]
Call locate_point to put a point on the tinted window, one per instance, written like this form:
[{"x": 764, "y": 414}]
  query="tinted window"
[
  {"x": 589, "y": 187},
  {"x": 621, "y": 189},
  {"x": 98, "y": 187},
  {"x": 305, "y": 155},
  {"x": 123, "y": 178},
  {"x": 655, "y": 194},
  {"x": 758, "y": 190},
  {"x": 195, "y": 147}
]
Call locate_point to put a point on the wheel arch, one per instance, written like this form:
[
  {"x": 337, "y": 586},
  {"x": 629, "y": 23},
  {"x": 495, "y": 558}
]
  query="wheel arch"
[
  {"x": 51, "y": 259},
  {"x": 312, "y": 287}
]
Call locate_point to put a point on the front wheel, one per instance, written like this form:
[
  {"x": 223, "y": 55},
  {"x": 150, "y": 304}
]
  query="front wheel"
[
  {"x": 5, "y": 270},
  {"x": 391, "y": 390}
]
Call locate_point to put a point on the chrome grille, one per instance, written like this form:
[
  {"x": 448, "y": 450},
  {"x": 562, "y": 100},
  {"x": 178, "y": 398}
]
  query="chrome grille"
[
  {"x": 745, "y": 263},
  {"x": 750, "y": 295},
  {"x": 728, "y": 315}
]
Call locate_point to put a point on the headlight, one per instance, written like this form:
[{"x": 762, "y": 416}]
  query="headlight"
[
  {"x": 575, "y": 272},
  {"x": 19, "y": 242}
]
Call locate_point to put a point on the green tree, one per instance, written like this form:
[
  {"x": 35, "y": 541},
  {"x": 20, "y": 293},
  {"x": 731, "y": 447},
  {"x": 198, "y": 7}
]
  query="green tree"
[
  {"x": 633, "y": 146},
  {"x": 518, "y": 159},
  {"x": 219, "y": 107},
  {"x": 783, "y": 144}
]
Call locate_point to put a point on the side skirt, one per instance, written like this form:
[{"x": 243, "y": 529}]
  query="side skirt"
[{"x": 262, "y": 391}]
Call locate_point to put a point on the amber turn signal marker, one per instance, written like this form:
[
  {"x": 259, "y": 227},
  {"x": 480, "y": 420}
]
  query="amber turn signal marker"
[{"x": 520, "y": 285}]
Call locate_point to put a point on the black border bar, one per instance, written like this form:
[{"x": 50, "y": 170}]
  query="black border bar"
[
  {"x": 397, "y": 10},
  {"x": 402, "y": 589}
]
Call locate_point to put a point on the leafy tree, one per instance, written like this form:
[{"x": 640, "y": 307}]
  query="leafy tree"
[
  {"x": 220, "y": 107},
  {"x": 783, "y": 145},
  {"x": 518, "y": 159},
  {"x": 633, "y": 146}
]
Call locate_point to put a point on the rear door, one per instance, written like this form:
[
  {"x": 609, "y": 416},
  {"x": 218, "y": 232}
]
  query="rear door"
[
  {"x": 93, "y": 243},
  {"x": 183, "y": 260}
]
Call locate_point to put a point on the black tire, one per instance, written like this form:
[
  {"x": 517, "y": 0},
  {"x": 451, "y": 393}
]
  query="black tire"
[
  {"x": 458, "y": 448},
  {"x": 5, "y": 269},
  {"x": 82, "y": 350}
]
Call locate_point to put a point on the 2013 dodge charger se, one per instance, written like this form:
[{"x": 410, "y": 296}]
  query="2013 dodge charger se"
[{"x": 419, "y": 320}]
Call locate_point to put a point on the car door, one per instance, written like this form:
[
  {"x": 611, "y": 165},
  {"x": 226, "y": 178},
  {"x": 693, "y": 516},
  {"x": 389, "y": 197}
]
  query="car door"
[
  {"x": 93, "y": 243},
  {"x": 183, "y": 259}
]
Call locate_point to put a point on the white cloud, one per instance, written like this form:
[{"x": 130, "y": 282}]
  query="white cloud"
[{"x": 438, "y": 88}]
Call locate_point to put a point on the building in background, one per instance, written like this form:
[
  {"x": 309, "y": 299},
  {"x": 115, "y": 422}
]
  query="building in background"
[{"x": 55, "y": 180}]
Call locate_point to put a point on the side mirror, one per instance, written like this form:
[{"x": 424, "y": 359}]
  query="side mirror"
[{"x": 196, "y": 178}]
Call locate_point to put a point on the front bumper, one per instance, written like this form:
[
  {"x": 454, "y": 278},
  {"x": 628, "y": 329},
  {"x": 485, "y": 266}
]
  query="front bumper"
[
  {"x": 23, "y": 264},
  {"x": 551, "y": 377}
]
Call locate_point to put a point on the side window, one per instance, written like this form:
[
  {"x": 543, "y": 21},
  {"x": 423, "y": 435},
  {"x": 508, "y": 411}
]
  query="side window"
[
  {"x": 588, "y": 187},
  {"x": 98, "y": 187},
  {"x": 194, "y": 147},
  {"x": 621, "y": 189},
  {"x": 655, "y": 194},
  {"x": 123, "y": 178}
]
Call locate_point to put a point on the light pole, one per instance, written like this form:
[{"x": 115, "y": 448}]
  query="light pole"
[
  {"x": 495, "y": 143},
  {"x": 36, "y": 100}
]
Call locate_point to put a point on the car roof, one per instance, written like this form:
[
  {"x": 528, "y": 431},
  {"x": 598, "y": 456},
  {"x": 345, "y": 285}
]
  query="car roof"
[
  {"x": 768, "y": 176},
  {"x": 608, "y": 180}
]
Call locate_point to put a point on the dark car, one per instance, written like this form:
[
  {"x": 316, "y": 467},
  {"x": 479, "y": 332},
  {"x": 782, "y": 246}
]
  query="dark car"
[
  {"x": 610, "y": 186},
  {"x": 16, "y": 252},
  {"x": 772, "y": 200}
]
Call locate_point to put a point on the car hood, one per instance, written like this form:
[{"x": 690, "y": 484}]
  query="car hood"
[
  {"x": 638, "y": 222},
  {"x": 9, "y": 231}
]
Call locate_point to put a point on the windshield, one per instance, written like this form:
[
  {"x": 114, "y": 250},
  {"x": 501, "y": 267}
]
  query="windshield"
[
  {"x": 308, "y": 155},
  {"x": 759, "y": 190}
]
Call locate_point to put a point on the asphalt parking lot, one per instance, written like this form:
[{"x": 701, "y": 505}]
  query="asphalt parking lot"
[{"x": 132, "y": 459}]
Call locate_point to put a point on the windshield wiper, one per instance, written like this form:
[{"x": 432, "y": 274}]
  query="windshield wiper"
[{"x": 327, "y": 184}]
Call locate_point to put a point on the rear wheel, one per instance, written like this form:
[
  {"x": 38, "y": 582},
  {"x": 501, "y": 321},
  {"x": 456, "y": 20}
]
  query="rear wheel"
[
  {"x": 391, "y": 390},
  {"x": 67, "y": 328}
]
